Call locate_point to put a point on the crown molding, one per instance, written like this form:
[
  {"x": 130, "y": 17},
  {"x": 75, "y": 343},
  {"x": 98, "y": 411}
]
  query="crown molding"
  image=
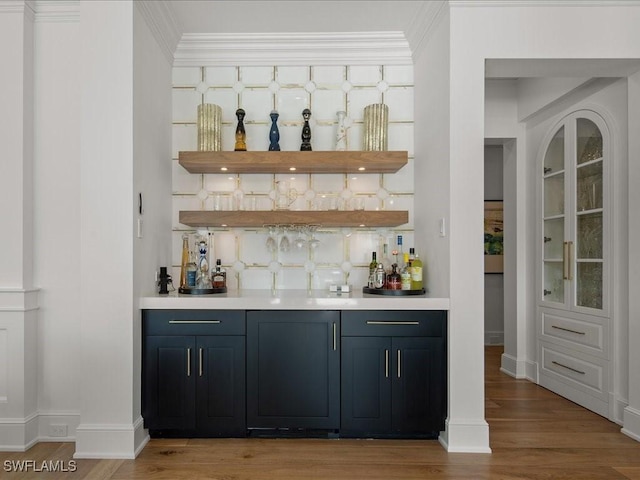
[
  {"x": 161, "y": 20},
  {"x": 422, "y": 26},
  {"x": 544, "y": 3},
  {"x": 26, "y": 7},
  {"x": 367, "y": 48},
  {"x": 62, "y": 11}
]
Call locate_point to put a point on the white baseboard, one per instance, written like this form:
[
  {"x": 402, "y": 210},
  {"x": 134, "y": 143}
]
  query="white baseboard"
[
  {"x": 631, "y": 423},
  {"x": 111, "y": 441},
  {"x": 47, "y": 421},
  {"x": 467, "y": 436},
  {"x": 494, "y": 338},
  {"x": 18, "y": 434},
  {"x": 617, "y": 406}
]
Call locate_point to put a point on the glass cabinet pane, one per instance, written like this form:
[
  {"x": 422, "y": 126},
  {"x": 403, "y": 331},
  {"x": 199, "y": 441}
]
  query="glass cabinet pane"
[
  {"x": 588, "y": 142},
  {"x": 589, "y": 187},
  {"x": 554, "y": 156},
  {"x": 589, "y": 236},
  {"x": 554, "y": 195},
  {"x": 589, "y": 284},
  {"x": 553, "y": 282},
  {"x": 553, "y": 238}
]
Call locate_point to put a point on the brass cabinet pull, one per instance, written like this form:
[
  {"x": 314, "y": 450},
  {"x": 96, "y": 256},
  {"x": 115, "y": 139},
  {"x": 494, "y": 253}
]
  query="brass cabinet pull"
[
  {"x": 568, "y": 330},
  {"x": 335, "y": 339},
  {"x": 193, "y": 321},
  {"x": 386, "y": 363},
  {"x": 200, "y": 361},
  {"x": 568, "y": 368},
  {"x": 399, "y": 370},
  {"x": 570, "y": 261},
  {"x": 188, "y": 362},
  {"x": 389, "y": 322}
]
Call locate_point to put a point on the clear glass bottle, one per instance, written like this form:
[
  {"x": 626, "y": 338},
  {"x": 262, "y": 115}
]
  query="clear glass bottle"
[
  {"x": 372, "y": 270},
  {"x": 400, "y": 251},
  {"x": 386, "y": 259},
  {"x": 394, "y": 281},
  {"x": 203, "y": 281},
  {"x": 405, "y": 274}
]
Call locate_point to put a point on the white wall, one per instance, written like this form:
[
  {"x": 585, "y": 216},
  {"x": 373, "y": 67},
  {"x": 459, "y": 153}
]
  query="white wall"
[{"x": 57, "y": 221}]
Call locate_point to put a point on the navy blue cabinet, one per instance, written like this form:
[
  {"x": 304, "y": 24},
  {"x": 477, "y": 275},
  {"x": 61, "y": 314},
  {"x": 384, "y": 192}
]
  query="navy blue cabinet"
[
  {"x": 393, "y": 373},
  {"x": 193, "y": 373},
  {"x": 293, "y": 369}
]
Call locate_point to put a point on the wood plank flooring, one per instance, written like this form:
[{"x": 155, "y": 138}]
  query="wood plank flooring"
[{"x": 535, "y": 435}]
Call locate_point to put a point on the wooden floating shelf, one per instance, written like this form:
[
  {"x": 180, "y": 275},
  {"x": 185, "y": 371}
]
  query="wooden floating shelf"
[
  {"x": 260, "y": 218},
  {"x": 298, "y": 162}
]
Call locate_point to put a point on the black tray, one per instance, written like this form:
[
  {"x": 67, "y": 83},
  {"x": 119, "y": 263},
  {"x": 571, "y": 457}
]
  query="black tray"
[
  {"x": 395, "y": 293},
  {"x": 201, "y": 291}
]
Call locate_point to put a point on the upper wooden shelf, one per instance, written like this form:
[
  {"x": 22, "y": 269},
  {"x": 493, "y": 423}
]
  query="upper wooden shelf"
[
  {"x": 288, "y": 162},
  {"x": 259, "y": 218}
]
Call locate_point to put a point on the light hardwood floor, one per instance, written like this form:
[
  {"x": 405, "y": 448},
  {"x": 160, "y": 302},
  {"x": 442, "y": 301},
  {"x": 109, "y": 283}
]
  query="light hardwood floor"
[{"x": 535, "y": 435}]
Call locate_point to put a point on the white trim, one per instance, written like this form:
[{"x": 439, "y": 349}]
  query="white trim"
[
  {"x": 18, "y": 434},
  {"x": 161, "y": 21},
  {"x": 465, "y": 436},
  {"x": 544, "y": 3},
  {"x": 113, "y": 441},
  {"x": 631, "y": 423},
  {"x": 358, "y": 48},
  {"x": 513, "y": 367},
  {"x": 18, "y": 299},
  {"x": 424, "y": 23},
  {"x": 58, "y": 11},
  {"x": 18, "y": 6}
]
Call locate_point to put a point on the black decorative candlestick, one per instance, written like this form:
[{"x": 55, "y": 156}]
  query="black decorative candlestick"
[
  {"x": 274, "y": 134},
  {"x": 241, "y": 135},
  {"x": 306, "y": 132}
]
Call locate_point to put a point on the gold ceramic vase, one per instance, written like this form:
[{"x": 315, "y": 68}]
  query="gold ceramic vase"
[{"x": 376, "y": 125}]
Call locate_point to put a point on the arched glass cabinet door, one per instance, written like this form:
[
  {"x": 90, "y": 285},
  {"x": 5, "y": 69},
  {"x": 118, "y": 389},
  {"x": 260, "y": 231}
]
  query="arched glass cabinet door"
[{"x": 575, "y": 216}]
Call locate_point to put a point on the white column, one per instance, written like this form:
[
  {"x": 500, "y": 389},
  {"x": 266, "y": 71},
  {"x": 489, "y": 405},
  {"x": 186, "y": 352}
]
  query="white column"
[
  {"x": 109, "y": 426},
  {"x": 18, "y": 297},
  {"x": 632, "y": 412}
]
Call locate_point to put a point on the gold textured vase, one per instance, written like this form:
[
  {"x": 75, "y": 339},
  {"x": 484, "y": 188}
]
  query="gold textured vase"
[
  {"x": 376, "y": 125},
  {"x": 209, "y": 127}
]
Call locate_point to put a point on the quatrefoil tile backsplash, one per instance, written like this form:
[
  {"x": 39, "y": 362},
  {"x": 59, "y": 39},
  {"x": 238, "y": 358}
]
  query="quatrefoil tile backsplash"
[{"x": 341, "y": 255}]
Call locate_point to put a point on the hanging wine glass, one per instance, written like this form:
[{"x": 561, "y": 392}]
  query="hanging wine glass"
[
  {"x": 285, "y": 245},
  {"x": 272, "y": 245},
  {"x": 300, "y": 241},
  {"x": 313, "y": 241}
]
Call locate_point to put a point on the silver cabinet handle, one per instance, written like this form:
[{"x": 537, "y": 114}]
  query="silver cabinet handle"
[
  {"x": 568, "y": 330},
  {"x": 568, "y": 368},
  {"x": 389, "y": 322},
  {"x": 386, "y": 363},
  {"x": 188, "y": 362},
  {"x": 399, "y": 360},
  {"x": 193, "y": 321},
  {"x": 200, "y": 362},
  {"x": 570, "y": 262},
  {"x": 565, "y": 260},
  {"x": 335, "y": 339}
]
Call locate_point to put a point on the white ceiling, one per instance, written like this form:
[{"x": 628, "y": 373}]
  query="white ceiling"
[{"x": 293, "y": 16}]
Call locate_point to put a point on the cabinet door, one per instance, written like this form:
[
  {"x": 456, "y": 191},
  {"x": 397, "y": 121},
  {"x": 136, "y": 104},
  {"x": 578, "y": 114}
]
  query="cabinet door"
[
  {"x": 418, "y": 386},
  {"x": 220, "y": 391},
  {"x": 366, "y": 385},
  {"x": 293, "y": 369},
  {"x": 169, "y": 382}
]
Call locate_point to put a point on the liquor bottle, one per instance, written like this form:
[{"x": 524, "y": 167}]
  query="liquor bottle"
[
  {"x": 400, "y": 251},
  {"x": 394, "y": 281},
  {"x": 219, "y": 276},
  {"x": 416, "y": 272},
  {"x": 192, "y": 269},
  {"x": 386, "y": 260},
  {"x": 405, "y": 274},
  {"x": 372, "y": 270},
  {"x": 185, "y": 261},
  {"x": 203, "y": 280}
]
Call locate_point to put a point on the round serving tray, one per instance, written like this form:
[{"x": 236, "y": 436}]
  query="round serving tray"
[
  {"x": 201, "y": 291},
  {"x": 395, "y": 293}
]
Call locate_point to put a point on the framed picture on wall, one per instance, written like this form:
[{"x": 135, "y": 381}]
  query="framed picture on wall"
[{"x": 493, "y": 237}]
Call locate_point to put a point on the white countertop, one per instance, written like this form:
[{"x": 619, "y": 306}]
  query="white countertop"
[{"x": 292, "y": 300}]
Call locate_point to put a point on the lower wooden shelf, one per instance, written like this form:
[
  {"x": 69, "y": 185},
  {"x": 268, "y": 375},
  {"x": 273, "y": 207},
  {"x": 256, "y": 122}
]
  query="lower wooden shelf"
[{"x": 260, "y": 218}]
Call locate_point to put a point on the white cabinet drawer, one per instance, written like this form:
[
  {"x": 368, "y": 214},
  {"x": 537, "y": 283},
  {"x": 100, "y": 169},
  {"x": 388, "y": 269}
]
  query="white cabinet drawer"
[
  {"x": 579, "y": 371},
  {"x": 575, "y": 333}
]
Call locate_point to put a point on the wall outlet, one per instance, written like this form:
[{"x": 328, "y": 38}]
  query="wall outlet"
[{"x": 57, "y": 430}]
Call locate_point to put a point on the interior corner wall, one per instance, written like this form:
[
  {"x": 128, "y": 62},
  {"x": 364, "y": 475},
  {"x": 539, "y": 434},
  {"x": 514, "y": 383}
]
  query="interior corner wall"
[{"x": 152, "y": 116}]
